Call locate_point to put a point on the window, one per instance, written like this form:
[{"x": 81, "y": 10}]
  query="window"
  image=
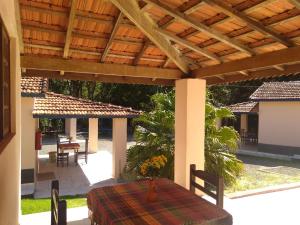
[{"x": 5, "y": 105}]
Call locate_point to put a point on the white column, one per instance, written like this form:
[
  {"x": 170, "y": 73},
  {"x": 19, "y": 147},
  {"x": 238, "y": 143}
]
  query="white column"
[
  {"x": 70, "y": 128},
  {"x": 119, "y": 145},
  {"x": 93, "y": 134},
  {"x": 244, "y": 123},
  {"x": 189, "y": 127}
]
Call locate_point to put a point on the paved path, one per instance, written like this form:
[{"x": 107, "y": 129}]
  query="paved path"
[{"x": 278, "y": 208}]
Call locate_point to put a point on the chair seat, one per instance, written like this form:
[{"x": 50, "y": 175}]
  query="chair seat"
[{"x": 63, "y": 154}]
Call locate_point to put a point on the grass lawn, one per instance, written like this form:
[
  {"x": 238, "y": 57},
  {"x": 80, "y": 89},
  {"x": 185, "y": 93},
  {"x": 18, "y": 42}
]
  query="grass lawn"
[
  {"x": 31, "y": 205},
  {"x": 264, "y": 172}
]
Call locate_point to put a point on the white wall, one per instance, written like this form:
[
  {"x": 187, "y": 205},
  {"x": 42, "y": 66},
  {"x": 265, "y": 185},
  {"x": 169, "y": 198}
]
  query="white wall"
[
  {"x": 10, "y": 156},
  {"x": 279, "y": 123},
  {"x": 28, "y": 125}
]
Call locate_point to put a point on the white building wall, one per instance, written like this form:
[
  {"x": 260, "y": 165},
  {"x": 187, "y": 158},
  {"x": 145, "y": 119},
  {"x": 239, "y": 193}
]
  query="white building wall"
[
  {"x": 10, "y": 156},
  {"x": 279, "y": 123}
]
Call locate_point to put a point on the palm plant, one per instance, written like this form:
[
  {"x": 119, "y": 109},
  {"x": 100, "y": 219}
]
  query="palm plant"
[{"x": 154, "y": 135}]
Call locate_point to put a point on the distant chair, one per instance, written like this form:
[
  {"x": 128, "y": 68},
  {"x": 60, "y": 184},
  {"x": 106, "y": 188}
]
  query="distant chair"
[
  {"x": 84, "y": 154},
  {"x": 217, "y": 182},
  {"x": 61, "y": 157},
  {"x": 58, "y": 207}
]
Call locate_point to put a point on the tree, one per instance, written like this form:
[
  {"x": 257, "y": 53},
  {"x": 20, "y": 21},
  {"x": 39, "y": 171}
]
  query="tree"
[{"x": 155, "y": 136}]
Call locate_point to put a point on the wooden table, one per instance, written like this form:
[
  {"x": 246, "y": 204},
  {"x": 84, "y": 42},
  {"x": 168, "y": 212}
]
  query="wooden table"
[
  {"x": 126, "y": 204},
  {"x": 70, "y": 146}
]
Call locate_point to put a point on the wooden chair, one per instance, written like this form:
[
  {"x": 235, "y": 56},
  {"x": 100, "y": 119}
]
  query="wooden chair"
[
  {"x": 84, "y": 154},
  {"x": 211, "y": 179},
  {"x": 58, "y": 207},
  {"x": 61, "y": 157}
]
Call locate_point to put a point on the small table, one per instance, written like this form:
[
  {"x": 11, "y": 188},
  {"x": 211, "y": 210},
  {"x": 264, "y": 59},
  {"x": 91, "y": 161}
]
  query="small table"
[
  {"x": 70, "y": 146},
  {"x": 126, "y": 204}
]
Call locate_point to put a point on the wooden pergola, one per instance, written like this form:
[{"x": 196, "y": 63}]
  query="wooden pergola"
[
  {"x": 186, "y": 43},
  {"x": 158, "y": 42}
]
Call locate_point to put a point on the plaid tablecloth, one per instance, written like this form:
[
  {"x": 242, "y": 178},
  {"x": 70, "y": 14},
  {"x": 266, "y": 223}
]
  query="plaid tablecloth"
[{"x": 126, "y": 204}]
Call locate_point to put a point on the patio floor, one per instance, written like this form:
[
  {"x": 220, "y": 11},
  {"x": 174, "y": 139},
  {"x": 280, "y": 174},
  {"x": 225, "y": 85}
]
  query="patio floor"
[
  {"x": 275, "y": 208},
  {"x": 79, "y": 179}
]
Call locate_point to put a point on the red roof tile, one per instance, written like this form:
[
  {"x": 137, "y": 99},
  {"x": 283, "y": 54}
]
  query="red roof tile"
[
  {"x": 244, "y": 107},
  {"x": 63, "y": 106},
  {"x": 280, "y": 91},
  {"x": 33, "y": 86}
]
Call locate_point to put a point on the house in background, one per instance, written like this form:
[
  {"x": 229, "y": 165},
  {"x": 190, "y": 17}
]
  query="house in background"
[{"x": 273, "y": 116}]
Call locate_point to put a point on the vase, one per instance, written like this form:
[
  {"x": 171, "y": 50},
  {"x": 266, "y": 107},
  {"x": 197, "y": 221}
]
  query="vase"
[{"x": 152, "y": 191}]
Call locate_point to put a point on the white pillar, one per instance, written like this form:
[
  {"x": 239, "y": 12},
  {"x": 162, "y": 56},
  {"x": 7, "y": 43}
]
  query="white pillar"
[
  {"x": 119, "y": 145},
  {"x": 93, "y": 134},
  {"x": 189, "y": 128},
  {"x": 70, "y": 128},
  {"x": 244, "y": 123}
]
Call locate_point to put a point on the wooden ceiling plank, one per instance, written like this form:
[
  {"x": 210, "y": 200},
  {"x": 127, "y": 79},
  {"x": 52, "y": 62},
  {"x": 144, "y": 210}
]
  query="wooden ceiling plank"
[
  {"x": 284, "y": 56},
  {"x": 200, "y": 26},
  {"x": 189, "y": 45},
  {"x": 295, "y": 3},
  {"x": 77, "y": 66},
  {"x": 130, "y": 9},
  {"x": 255, "y": 25},
  {"x": 112, "y": 36},
  {"x": 70, "y": 28},
  {"x": 56, "y": 48},
  {"x": 97, "y": 77}
]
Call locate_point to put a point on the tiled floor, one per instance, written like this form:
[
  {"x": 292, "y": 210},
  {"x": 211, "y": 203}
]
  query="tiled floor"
[
  {"x": 77, "y": 179},
  {"x": 278, "y": 208}
]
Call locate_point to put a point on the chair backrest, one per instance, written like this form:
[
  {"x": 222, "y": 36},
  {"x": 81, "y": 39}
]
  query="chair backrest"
[
  {"x": 86, "y": 145},
  {"x": 215, "y": 181},
  {"x": 58, "y": 207}
]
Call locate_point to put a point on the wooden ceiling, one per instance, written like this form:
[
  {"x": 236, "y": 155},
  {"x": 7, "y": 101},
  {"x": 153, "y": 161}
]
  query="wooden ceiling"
[{"x": 157, "y": 42}]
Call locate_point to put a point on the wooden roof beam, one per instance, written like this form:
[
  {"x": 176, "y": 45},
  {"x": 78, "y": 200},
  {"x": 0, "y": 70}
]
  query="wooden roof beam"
[
  {"x": 112, "y": 36},
  {"x": 189, "y": 45},
  {"x": 131, "y": 9},
  {"x": 77, "y": 66},
  {"x": 200, "y": 26},
  {"x": 253, "y": 75},
  {"x": 284, "y": 56},
  {"x": 70, "y": 28},
  {"x": 251, "y": 23}
]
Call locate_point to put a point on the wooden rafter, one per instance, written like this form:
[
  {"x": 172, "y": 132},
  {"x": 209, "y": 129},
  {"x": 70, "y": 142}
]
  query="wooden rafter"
[
  {"x": 250, "y": 22},
  {"x": 97, "y": 77},
  {"x": 77, "y": 66},
  {"x": 70, "y": 28},
  {"x": 285, "y": 56},
  {"x": 189, "y": 45},
  {"x": 200, "y": 26},
  {"x": 141, "y": 52},
  {"x": 130, "y": 9},
  {"x": 296, "y": 3},
  {"x": 112, "y": 36},
  {"x": 253, "y": 75}
]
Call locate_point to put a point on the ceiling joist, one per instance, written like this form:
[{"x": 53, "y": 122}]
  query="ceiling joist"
[
  {"x": 200, "y": 26},
  {"x": 131, "y": 9},
  {"x": 77, "y": 66},
  {"x": 250, "y": 22}
]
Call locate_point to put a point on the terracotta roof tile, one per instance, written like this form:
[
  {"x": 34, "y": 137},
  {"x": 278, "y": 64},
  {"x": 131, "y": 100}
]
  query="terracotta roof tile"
[
  {"x": 63, "y": 106},
  {"x": 281, "y": 91},
  {"x": 244, "y": 107},
  {"x": 33, "y": 86}
]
